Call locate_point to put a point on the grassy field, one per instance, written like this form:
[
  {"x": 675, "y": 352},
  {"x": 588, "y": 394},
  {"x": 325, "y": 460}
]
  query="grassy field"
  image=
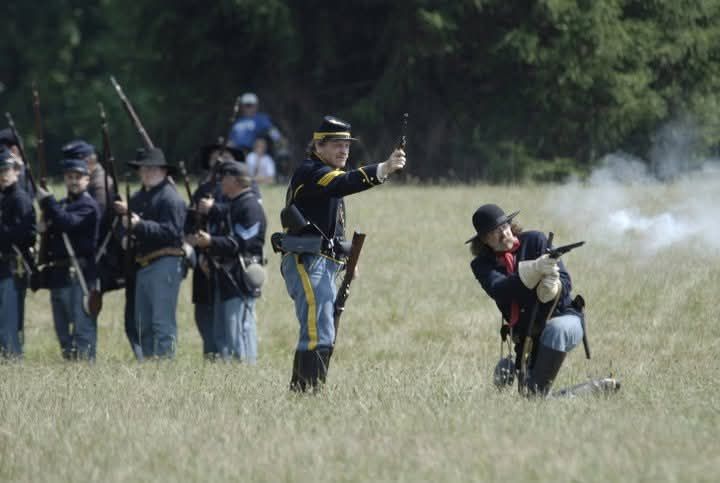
[{"x": 410, "y": 394}]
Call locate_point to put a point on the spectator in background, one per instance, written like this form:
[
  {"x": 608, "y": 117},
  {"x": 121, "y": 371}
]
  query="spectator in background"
[
  {"x": 252, "y": 124},
  {"x": 259, "y": 162}
]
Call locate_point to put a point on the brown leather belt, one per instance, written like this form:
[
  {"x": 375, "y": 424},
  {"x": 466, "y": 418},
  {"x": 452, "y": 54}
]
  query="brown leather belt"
[{"x": 146, "y": 260}]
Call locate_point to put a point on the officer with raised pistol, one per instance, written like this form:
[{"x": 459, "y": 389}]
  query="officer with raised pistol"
[
  {"x": 316, "y": 193},
  {"x": 157, "y": 217}
]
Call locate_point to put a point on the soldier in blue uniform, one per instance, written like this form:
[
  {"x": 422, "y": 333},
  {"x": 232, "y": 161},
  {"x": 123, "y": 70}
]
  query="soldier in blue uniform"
[
  {"x": 100, "y": 186},
  {"x": 234, "y": 248},
  {"x": 73, "y": 220},
  {"x": 156, "y": 227},
  {"x": 514, "y": 270},
  {"x": 316, "y": 190},
  {"x": 17, "y": 237},
  {"x": 208, "y": 193}
]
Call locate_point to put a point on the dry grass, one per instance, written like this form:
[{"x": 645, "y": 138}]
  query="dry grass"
[{"x": 410, "y": 394}]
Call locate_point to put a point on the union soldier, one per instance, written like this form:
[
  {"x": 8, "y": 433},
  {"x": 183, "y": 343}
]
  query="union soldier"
[
  {"x": 234, "y": 246},
  {"x": 73, "y": 221},
  {"x": 206, "y": 195},
  {"x": 17, "y": 237},
  {"x": 516, "y": 272},
  {"x": 156, "y": 227},
  {"x": 316, "y": 191},
  {"x": 99, "y": 181}
]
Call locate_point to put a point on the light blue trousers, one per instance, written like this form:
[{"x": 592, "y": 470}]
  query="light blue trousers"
[
  {"x": 562, "y": 333},
  {"x": 76, "y": 331},
  {"x": 310, "y": 282},
  {"x": 234, "y": 328},
  {"x": 156, "y": 297},
  {"x": 9, "y": 318}
]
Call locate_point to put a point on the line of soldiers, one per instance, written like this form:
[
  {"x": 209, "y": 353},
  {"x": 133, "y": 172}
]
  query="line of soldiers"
[{"x": 87, "y": 236}]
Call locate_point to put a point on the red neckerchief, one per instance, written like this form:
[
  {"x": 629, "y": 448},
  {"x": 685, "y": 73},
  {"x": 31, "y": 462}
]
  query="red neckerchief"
[{"x": 507, "y": 259}]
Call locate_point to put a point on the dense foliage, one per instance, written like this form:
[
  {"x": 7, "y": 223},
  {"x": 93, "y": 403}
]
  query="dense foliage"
[{"x": 495, "y": 89}]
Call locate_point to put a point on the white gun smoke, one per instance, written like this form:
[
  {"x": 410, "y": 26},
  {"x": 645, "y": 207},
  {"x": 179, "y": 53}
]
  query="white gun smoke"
[{"x": 674, "y": 202}]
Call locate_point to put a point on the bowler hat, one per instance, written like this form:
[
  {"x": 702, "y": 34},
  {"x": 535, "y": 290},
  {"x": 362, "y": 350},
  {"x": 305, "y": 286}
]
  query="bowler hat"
[
  {"x": 77, "y": 149},
  {"x": 76, "y": 165},
  {"x": 151, "y": 157},
  {"x": 487, "y": 218},
  {"x": 7, "y": 138},
  {"x": 333, "y": 128}
]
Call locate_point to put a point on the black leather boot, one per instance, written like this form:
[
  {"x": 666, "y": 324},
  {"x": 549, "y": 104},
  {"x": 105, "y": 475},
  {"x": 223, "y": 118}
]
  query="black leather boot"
[
  {"x": 298, "y": 383},
  {"x": 546, "y": 368}
]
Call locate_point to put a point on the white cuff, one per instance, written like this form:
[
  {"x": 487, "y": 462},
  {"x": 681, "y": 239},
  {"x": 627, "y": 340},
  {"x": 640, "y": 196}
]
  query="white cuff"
[
  {"x": 529, "y": 276},
  {"x": 380, "y": 173}
]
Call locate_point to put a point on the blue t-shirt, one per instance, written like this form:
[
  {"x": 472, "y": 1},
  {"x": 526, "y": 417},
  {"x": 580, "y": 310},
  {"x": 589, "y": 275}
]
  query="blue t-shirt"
[{"x": 248, "y": 128}]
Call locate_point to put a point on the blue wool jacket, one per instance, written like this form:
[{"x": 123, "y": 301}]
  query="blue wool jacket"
[
  {"x": 505, "y": 288},
  {"x": 240, "y": 232},
  {"x": 79, "y": 217},
  {"x": 17, "y": 226},
  {"x": 163, "y": 212},
  {"x": 318, "y": 189}
]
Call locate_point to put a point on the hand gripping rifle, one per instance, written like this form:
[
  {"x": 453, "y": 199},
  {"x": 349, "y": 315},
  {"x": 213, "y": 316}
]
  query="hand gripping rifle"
[
  {"x": 133, "y": 115},
  {"x": 527, "y": 346},
  {"x": 344, "y": 291}
]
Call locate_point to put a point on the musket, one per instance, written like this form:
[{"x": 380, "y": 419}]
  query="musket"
[
  {"x": 527, "y": 346},
  {"x": 129, "y": 242},
  {"x": 40, "y": 143},
  {"x": 109, "y": 165},
  {"x": 233, "y": 117},
  {"x": 344, "y": 290},
  {"x": 40, "y": 147},
  {"x": 108, "y": 158},
  {"x": 133, "y": 115}
]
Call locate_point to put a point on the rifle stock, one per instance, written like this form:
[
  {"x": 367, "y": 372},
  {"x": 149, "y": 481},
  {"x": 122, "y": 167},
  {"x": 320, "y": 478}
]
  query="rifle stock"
[{"x": 344, "y": 291}]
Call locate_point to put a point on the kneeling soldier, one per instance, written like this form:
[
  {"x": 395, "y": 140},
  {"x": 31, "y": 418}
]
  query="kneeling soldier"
[
  {"x": 515, "y": 270},
  {"x": 17, "y": 237},
  {"x": 157, "y": 216},
  {"x": 72, "y": 221},
  {"x": 316, "y": 191},
  {"x": 235, "y": 250}
]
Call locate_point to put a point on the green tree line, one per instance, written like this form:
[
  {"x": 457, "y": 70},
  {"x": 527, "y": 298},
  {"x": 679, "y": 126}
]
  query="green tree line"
[{"x": 499, "y": 90}]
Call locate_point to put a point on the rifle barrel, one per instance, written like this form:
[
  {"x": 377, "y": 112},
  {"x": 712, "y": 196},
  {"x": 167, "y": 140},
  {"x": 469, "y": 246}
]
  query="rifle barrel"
[{"x": 133, "y": 115}]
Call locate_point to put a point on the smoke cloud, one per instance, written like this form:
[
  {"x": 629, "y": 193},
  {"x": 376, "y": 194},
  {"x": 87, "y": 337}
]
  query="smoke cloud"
[{"x": 670, "y": 201}]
